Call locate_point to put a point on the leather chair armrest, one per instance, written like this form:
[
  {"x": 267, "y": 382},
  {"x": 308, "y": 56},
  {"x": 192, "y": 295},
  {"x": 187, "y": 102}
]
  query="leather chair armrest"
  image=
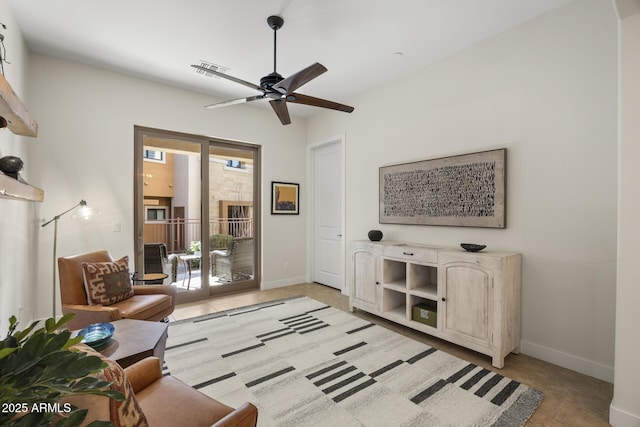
[
  {"x": 88, "y": 314},
  {"x": 244, "y": 416},
  {"x": 143, "y": 373},
  {"x": 155, "y": 289}
]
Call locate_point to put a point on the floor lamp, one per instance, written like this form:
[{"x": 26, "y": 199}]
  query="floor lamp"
[{"x": 85, "y": 212}]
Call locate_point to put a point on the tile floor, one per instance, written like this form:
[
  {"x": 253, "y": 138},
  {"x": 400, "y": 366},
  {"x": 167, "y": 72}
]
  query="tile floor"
[{"x": 570, "y": 398}]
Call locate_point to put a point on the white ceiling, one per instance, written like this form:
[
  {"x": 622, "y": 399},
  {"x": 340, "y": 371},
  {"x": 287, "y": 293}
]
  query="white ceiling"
[{"x": 359, "y": 41}]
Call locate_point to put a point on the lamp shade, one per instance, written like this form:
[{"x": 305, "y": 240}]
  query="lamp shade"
[{"x": 85, "y": 212}]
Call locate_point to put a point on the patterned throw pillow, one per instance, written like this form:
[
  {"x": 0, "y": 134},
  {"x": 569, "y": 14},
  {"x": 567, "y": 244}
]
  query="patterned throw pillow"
[
  {"x": 125, "y": 413},
  {"x": 107, "y": 283}
]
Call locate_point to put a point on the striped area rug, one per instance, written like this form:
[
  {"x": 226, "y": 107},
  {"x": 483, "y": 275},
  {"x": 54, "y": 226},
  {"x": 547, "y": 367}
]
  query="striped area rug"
[{"x": 303, "y": 363}]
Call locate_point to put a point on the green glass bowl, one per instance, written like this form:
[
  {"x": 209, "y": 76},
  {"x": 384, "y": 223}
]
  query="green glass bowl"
[{"x": 97, "y": 334}]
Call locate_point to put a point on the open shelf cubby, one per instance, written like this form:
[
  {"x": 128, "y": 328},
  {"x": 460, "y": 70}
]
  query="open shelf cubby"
[
  {"x": 394, "y": 274},
  {"x": 395, "y": 303},
  {"x": 423, "y": 280},
  {"x": 413, "y": 300}
]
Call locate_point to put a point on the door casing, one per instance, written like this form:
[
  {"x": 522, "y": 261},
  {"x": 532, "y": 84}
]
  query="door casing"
[{"x": 311, "y": 244}]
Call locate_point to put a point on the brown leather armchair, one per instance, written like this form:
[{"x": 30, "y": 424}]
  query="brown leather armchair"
[
  {"x": 168, "y": 401},
  {"x": 160, "y": 400},
  {"x": 149, "y": 302}
]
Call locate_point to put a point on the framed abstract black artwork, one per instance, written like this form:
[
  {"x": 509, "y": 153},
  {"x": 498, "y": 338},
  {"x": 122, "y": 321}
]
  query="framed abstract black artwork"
[{"x": 467, "y": 190}]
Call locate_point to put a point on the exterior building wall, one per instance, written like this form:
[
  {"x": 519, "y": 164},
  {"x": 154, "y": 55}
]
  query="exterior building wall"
[{"x": 230, "y": 186}]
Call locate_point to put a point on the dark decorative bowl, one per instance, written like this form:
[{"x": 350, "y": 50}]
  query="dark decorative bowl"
[
  {"x": 375, "y": 235},
  {"x": 472, "y": 247},
  {"x": 97, "y": 335},
  {"x": 11, "y": 166}
]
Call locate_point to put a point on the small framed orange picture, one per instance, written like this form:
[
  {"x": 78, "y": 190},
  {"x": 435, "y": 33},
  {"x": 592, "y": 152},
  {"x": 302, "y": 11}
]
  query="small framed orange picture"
[{"x": 285, "y": 198}]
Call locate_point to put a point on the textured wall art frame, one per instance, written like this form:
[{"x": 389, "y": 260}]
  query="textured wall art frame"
[{"x": 467, "y": 190}]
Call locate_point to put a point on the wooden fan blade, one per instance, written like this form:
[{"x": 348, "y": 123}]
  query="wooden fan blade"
[
  {"x": 298, "y": 98},
  {"x": 235, "y": 101},
  {"x": 280, "y": 107},
  {"x": 228, "y": 77},
  {"x": 296, "y": 80}
]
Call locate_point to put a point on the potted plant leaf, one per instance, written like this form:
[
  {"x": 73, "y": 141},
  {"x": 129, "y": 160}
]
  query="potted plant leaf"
[
  {"x": 38, "y": 368},
  {"x": 195, "y": 247}
]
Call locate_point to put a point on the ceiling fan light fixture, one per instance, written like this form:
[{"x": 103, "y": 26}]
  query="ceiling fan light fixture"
[
  {"x": 268, "y": 81},
  {"x": 275, "y": 88}
]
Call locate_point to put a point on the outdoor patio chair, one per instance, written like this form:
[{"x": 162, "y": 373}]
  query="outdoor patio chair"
[
  {"x": 156, "y": 260},
  {"x": 235, "y": 263}
]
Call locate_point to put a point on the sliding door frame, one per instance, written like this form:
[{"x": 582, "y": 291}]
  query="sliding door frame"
[{"x": 140, "y": 132}]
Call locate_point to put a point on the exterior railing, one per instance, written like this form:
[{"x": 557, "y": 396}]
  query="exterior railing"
[{"x": 178, "y": 233}]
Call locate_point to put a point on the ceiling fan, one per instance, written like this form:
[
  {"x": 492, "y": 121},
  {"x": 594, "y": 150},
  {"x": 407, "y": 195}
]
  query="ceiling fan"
[{"x": 277, "y": 89}]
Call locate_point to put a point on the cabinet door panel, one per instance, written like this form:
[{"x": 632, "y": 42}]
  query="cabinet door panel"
[
  {"x": 467, "y": 290},
  {"x": 365, "y": 271}
]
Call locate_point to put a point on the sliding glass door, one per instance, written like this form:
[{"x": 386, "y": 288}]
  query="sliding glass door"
[{"x": 197, "y": 221}]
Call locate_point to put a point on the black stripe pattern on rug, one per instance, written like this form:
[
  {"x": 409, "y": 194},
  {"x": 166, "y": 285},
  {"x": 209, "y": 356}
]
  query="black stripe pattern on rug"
[
  {"x": 304, "y": 363},
  {"x": 486, "y": 384},
  {"x": 300, "y": 323}
]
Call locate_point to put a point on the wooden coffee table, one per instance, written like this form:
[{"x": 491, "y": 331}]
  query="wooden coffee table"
[{"x": 133, "y": 340}]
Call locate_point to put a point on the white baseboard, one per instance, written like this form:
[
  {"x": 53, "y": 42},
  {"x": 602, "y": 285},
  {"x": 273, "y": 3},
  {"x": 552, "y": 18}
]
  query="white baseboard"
[
  {"x": 569, "y": 361},
  {"x": 620, "y": 418},
  {"x": 282, "y": 283}
]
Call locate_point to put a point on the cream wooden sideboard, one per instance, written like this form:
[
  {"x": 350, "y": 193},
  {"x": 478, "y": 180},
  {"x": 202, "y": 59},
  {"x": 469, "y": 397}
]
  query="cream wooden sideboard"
[{"x": 475, "y": 296}]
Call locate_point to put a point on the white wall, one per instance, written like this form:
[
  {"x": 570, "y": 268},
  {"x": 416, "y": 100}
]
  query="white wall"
[
  {"x": 17, "y": 232},
  {"x": 85, "y": 151},
  {"x": 625, "y": 408},
  {"x": 546, "y": 91}
]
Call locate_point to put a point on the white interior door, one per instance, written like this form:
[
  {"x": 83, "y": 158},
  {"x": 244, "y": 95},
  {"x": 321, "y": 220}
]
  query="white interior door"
[{"x": 328, "y": 265}]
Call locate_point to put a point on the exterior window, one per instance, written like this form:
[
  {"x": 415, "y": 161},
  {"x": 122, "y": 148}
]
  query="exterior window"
[
  {"x": 154, "y": 156},
  {"x": 156, "y": 214},
  {"x": 237, "y": 164}
]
